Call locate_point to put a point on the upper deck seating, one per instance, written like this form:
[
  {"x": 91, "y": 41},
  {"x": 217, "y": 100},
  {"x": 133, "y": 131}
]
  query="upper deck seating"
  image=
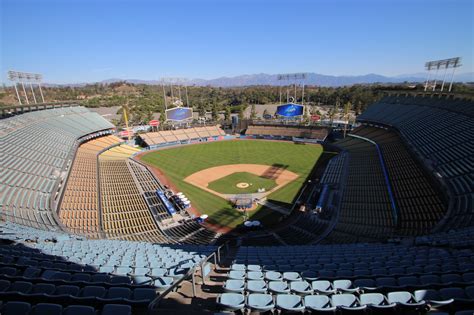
[
  {"x": 441, "y": 131},
  {"x": 36, "y": 151},
  {"x": 419, "y": 202}
]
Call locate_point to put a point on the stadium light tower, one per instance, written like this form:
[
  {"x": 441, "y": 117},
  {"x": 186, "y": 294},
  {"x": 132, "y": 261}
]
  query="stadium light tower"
[
  {"x": 175, "y": 81},
  {"x": 294, "y": 77},
  {"x": 28, "y": 78},
  {"x": 442, "y": 64}
]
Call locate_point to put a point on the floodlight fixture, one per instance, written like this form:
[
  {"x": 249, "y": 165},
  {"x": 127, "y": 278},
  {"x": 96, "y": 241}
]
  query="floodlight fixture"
[
  {"x": 18, "y": 77},
  {"x": 294, "y": 77},
  {"x": 436, "y": 65},
  {"x": 175, "y": 81}
]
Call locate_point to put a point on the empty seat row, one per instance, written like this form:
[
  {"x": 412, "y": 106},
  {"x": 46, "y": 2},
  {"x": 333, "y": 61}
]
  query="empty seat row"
[
  {"x": 450, "y": 299},
  {"x": 70, "y": 294},
  {"x": 25, "y": 308},
  {"x": 293, "y": 283}
]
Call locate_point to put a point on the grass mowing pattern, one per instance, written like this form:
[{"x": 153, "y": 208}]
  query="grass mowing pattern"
[
  {"x": 227, "y": 185},
  {"x": 180, "y": 162}
]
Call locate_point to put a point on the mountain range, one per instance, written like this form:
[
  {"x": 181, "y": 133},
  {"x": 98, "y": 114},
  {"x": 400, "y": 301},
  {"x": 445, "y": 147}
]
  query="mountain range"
[{"x": 311, "y": 79}]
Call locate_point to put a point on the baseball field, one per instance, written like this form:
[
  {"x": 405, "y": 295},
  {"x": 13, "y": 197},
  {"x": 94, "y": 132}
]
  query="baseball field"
[{"x": 208, "y": 172}]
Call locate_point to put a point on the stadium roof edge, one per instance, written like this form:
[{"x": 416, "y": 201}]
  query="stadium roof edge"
[
  {"x": 464, "y": 95},
  {"x": 21, "y": 109}
]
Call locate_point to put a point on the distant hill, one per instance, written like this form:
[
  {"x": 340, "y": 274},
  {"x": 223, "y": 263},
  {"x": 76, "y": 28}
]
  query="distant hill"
[{"x": 312, "y": 79}]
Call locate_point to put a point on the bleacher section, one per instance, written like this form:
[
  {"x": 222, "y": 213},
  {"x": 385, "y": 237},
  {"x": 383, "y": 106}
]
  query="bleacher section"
[
  {"x": 178, "y": 229},
  {"x": 419, "y": 203},
  {"x": 301, "y": 228},
  {"x": 148, "y": 185},
  {"x": 316, "y": 133},
  {"x": 125, "y": 214},
  {"x": 181, "y": 135},
  {"x": 334, "y": 170},
  {"x": 37, "y": 150},
  {"x": 79, "y": 209},
  {"x": 460, "y": 238},
  {"x": 366, "y": 212},
  {"x": 441, "y": 131},
  {"x": 362, "y": 278},
  {"x": 45, "y": 267}
]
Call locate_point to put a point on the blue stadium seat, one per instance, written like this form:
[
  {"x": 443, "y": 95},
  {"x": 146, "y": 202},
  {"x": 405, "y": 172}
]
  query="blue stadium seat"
[
  {"x": 376, "y": 302},
  {"x": 347, "y": 302},
  {"x": 79, "y": 310},
  {"x": 273, "y": 276},
  {"x": 291, "y": 276},
  {"x": 71, "y": 290},
  {"x": 301, "y": 288},
  {"x": 44, "y": 288},
  {"x": 257, "y": 286},
  {"x": 232, "y": 285},
  {"x": 319, "y": 303},
  {"x": 237, "y": 274},
  {"x": 432, "y": 297},
  {"x": 289, "y": 303},
  {"x": 231, "y": 301},
  {"x": 143, "y": 296},
  {"x": 260, "y": 302},
  {"x": 323, "y": 287},
  {"x": 309, "y": 275},
  {"x": 15, "y": 308},
  {"x": 255, "y": 275},
  {"x": 116, "y": 309},
  {"x": 278, "y": 287},
  {"x": 461, "y": 299},
  {"x": 405, "y": 300},
  {"x": 344, "y": 286},
  {"x": 4, "y": 285},
  {"x": 47, "y": 309}
]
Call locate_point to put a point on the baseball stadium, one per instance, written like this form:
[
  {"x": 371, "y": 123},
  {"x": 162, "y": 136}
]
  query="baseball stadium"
[
  {"x": 203, "y": 219},
  {"x": 236, "y": 189}
]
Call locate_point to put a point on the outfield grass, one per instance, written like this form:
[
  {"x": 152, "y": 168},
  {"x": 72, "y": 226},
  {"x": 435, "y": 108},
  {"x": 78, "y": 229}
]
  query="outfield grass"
[
  {"x": 227, "y": 185},
  {"x": 180, "y": 162}
]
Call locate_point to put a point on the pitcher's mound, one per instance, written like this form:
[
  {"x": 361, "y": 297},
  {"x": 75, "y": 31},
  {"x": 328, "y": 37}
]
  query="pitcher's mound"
[{"x": 242, "y": 185}]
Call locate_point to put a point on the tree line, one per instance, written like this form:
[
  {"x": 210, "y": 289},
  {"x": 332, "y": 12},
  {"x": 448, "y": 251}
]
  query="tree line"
[{"x": 144, "y": 100}]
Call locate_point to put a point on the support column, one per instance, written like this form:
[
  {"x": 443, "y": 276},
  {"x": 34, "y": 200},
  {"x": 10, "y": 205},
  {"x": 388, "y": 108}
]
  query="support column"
[
  {"x": 41, "y": 92},
  {"x": 33, "y": 92},
  {"x": 444, "y": 76},
  {"x": 427, "y": 79},
  {"x": 24, "y": 91},
  {"x": 17, "y": 94},
  {"x": 452, "y": 78}
]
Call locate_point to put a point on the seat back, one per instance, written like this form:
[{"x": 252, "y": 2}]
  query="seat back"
[
  {"x": 347, "y": 300},
  {"x": 372, "y": 299},
  {"x": 399, "y": 297}
]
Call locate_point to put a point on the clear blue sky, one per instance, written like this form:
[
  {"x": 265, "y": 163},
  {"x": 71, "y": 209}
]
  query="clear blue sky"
[{"x": 91, "y": 40}]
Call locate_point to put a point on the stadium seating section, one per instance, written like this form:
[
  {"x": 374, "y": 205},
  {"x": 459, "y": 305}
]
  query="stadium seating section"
[
  {"x": 79, "y": 210},
  {"x": 387, "y": 227},
  {"x": 366, "y": 278},
  {"x": 181, "y": 135},
  {"x": 440, "y": 131},
  {"x": 39, "y": 268},
  {"x": 37, "y": 150},
  {"x": 317, "y": 133},
  {"x": 365, "y": 212}
]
